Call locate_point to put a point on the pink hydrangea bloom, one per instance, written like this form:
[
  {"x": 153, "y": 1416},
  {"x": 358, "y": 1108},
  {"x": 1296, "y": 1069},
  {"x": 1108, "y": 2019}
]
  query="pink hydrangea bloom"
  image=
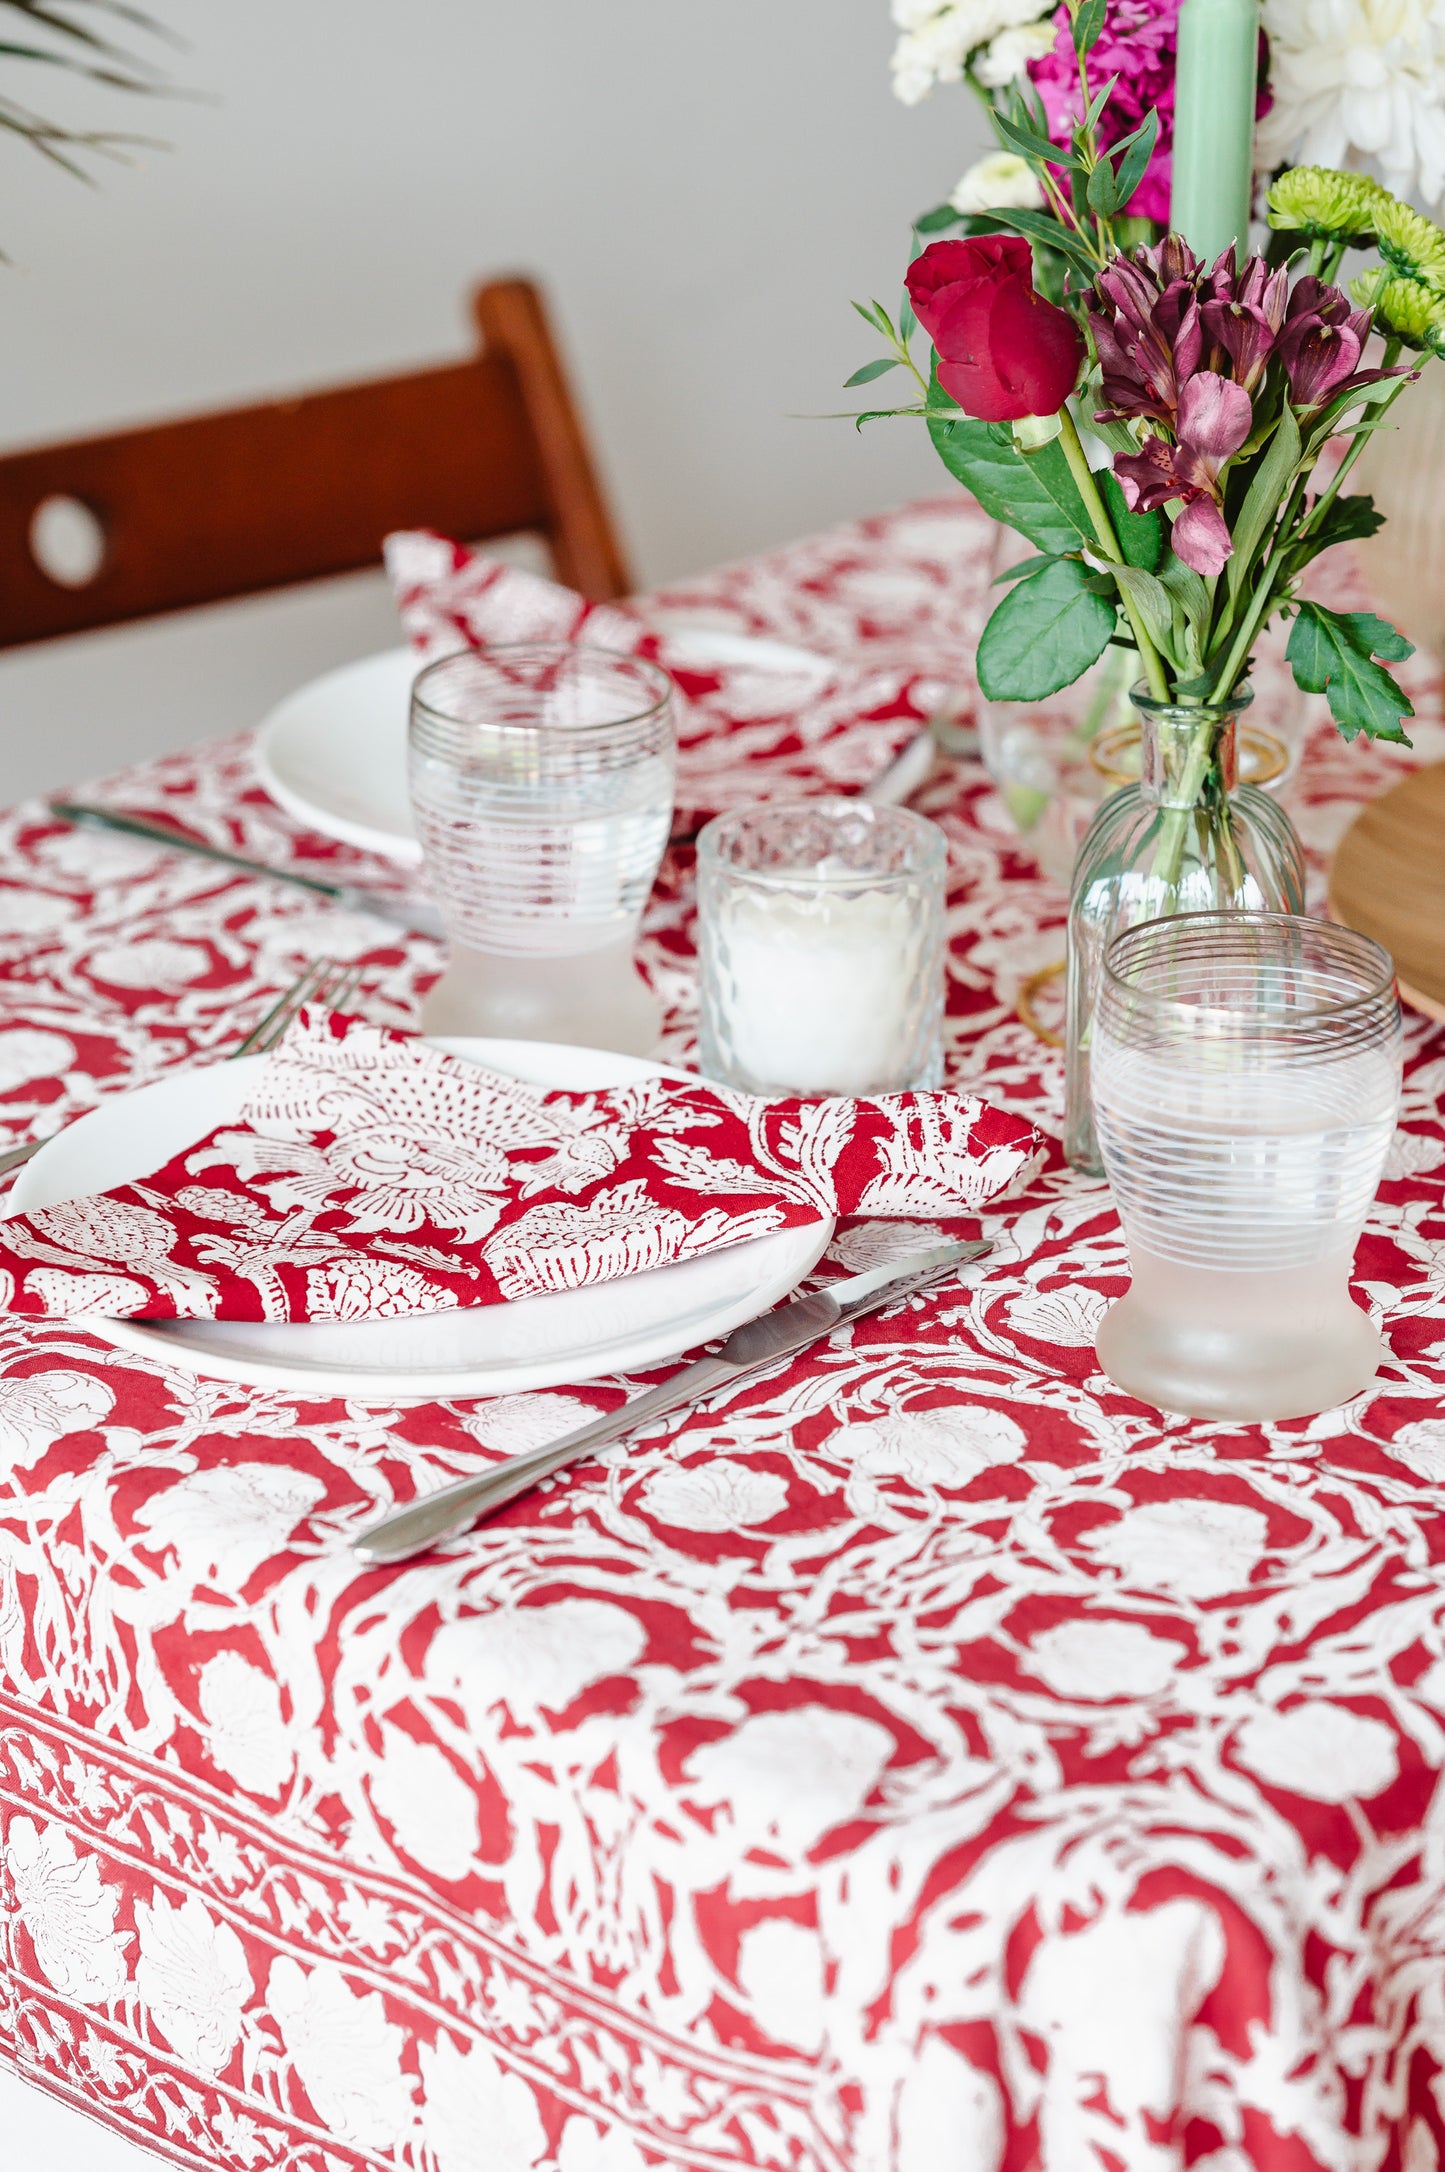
[{"x": 1138, "y": 44}]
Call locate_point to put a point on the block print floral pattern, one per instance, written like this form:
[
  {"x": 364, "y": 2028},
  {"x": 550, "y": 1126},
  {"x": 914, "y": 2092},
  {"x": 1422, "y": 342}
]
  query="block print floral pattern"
[
  {"x": 924, "y": 1759},
  {"x": 370, "y": 1176}
]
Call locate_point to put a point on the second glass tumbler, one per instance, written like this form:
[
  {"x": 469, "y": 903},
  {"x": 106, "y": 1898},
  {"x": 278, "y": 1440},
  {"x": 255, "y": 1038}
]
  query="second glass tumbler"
[{"x": 542, "y": 779}]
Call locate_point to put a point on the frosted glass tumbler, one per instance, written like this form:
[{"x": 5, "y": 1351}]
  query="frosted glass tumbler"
[
  {"x": 821, "y": 937},
  {"x": 542, "y": 784},
  {"x": 1245, "y": 1078}
]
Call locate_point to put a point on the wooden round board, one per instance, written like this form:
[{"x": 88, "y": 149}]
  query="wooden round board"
[{"x": 1388, "y": 880}]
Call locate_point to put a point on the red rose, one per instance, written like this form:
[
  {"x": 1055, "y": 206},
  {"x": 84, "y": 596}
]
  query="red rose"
[{"x": 1003, "y": 351}]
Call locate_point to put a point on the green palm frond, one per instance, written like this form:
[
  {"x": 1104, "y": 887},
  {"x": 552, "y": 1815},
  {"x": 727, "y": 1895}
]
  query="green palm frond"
[{"x": 82, "y": 37}]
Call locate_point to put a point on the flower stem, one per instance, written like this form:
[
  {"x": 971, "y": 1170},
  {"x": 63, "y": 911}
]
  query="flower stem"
[
  {"x": 1178, "y": 815},
  {"x": 1103, "y": 528},
  {"x": 1286, "y": 537}
]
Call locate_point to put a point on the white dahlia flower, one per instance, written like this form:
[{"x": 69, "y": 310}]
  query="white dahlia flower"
[
  {"x": 937, "y": 39},
  {"x": 1004, "y": 60},
  {"x": 1001, "y": 182},
  {"x": 1358, "y": 83}
]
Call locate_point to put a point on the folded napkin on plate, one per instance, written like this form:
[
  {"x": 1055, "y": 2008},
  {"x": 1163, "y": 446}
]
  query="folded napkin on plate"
[
  {"x": 370, "y": 1175},
  {"x": 746, "y": 730}
]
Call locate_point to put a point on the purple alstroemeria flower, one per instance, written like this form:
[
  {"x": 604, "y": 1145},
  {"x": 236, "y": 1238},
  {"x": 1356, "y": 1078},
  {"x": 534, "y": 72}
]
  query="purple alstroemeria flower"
[
  {"x": 1147, "y": 331},
  {"x": 1243, "y": 317},
  {"x": 1214, "y": 418},
  {"x": 1322, "y": 342}
]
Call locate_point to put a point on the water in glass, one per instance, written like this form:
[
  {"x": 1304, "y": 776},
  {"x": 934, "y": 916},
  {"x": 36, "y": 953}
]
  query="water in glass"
[{"x": 542, "y": 785}]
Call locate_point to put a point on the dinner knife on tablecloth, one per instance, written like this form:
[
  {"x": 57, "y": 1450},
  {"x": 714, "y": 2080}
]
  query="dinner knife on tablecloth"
[
  {"x": 423, "y": 919},
  {"x": 749, "y": 1349}
]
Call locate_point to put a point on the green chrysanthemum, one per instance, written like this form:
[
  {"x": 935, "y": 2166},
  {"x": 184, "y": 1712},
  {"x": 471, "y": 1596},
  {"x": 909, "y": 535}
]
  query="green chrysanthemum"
[
  {"x": 1322, "y": 203},
  {"x": 1404, "y": 309},
  {"x": 1411, "y": 244}
]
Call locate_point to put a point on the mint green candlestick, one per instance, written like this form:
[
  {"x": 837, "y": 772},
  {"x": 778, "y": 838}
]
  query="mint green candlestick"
[{"x": 1214, "y": 124}]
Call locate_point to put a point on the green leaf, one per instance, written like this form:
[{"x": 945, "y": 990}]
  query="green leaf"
[
  {"x": 1025, "y": 565},
  {"x": 1346, "y": 520},
  {"x": 1329, "y": 418},
  {"x": 907, "y": 321},
  {"x": 873, "y": 315},
  {"x": 1052, "y": 473},
  {"x": 1116, "y": 435},
  {"x": 1189, "y": 592},
  {"x": 1028, "y": 103},
  {"x": 1037, "y": 496},
  {"x": 1324, "y": 655},
  {"x": 1278, "y": 466},
  {"x": 938, "y": 220},
  {"x": 1045, "y": 633},
  {"x": 1050, "y": 233},
  {"x": 1152, "y": 602},
  {"x": 1087, "y": 24},
  {"x": 1141, "y": 535},
  {"x": 1039, "y": 150},
  {"x": 1094, "y": 111},
  {"x": 1191, "y": 589},
  {"x": 873, "y": 414},
  {"x": 1374, "y": 636},
  {"x": 1137, "y": 151},
  {"x": 870, "y": 370},
  {"x": 1102, "y": 192}
]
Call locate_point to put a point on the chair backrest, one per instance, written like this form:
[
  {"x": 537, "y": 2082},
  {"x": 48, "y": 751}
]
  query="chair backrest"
[{"x": 230, "y": 504}]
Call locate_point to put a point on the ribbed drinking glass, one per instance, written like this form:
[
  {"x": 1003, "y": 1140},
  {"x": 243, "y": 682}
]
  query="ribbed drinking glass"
[
  {"x": 542, "y": 784},
  {"x": 1246, "y": 1076}
]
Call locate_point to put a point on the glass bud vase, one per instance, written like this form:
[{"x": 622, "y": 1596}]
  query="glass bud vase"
[{"x": 1187, "y": 838}]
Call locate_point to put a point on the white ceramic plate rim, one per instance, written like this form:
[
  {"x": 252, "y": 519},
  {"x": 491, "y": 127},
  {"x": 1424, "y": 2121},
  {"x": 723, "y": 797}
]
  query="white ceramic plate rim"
[
  {"x": 572, "y": 1365},
  {"x": 387, "y": 676},
  {"x": 296, "y": 715}
]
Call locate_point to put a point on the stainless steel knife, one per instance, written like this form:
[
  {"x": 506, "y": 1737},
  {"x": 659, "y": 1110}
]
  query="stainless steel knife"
[
  {"x": 401, "y": 912},
  {"x": 749, "y": 1349}
]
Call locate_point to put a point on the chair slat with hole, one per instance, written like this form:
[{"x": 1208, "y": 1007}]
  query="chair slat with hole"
[{"x": 232, "y": 504}]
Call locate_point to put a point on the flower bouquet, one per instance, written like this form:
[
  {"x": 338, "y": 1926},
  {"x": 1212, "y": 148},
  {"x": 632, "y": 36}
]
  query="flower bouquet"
[
  {"x": 1355, "y": 85},
  {"x": 1167, "y": 435}
]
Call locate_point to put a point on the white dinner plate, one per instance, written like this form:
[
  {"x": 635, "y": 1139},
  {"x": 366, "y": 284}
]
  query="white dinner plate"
[
  {"x": 333, "y": 754},
  {"x": 565, "y": 1337}
]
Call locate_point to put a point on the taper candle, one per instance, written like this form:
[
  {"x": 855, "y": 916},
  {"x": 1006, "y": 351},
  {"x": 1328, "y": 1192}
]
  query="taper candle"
[{"x": 1214, "y": 98}]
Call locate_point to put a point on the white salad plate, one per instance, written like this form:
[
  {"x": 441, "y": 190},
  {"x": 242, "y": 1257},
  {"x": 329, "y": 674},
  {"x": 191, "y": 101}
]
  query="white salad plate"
[
  {"x": 564, "y": 1337},
  {"x": 333, "y": 754}
]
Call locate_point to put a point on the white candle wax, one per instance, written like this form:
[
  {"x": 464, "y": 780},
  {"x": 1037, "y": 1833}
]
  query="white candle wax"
[{"x": 820, "y": 992}]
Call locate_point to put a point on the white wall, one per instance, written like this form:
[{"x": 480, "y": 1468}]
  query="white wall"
[{"x": 702, "y": 184}]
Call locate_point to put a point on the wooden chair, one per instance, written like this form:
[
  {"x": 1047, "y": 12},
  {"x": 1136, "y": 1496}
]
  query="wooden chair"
[{"x": 231, "y": 504}]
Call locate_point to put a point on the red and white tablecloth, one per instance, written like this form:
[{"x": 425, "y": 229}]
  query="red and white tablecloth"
[{"x": 927, "y": 1760}]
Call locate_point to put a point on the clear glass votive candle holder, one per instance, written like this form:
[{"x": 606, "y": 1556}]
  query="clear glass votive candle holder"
[
  {"x": 821, "y": 936},
  {"x": 1245, "y": 1080},
  {"x": 542, "y": 779}
]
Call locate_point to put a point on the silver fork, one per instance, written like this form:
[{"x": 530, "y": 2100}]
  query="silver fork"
[{"x": 323, "y": 981}]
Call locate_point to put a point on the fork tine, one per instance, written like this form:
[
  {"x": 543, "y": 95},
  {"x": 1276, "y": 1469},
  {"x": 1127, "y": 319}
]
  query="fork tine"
[
  {"x": 339, "y": 992},
  {"x": 323, "y": 981},
  {"x": 268, "y": 1030}
]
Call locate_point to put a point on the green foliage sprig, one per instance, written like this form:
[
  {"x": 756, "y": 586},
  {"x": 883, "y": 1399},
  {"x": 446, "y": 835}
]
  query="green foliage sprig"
[{"x": 76, "y": 37}]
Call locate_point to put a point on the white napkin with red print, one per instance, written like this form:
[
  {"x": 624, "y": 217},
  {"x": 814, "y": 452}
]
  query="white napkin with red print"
[
  {"x": 371, "y": 1176},
  {"x": 747, "y": 731}
]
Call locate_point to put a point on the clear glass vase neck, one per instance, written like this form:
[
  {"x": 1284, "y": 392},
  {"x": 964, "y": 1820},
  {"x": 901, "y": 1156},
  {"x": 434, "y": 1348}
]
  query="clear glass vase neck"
[{"x": 1183, "y": 742}]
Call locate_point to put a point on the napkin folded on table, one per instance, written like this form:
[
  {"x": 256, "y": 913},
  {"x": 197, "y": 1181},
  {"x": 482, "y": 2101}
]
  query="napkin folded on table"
[
  {"x": 745, "y": 733},
  {"x": 372, "y": 1176}
]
